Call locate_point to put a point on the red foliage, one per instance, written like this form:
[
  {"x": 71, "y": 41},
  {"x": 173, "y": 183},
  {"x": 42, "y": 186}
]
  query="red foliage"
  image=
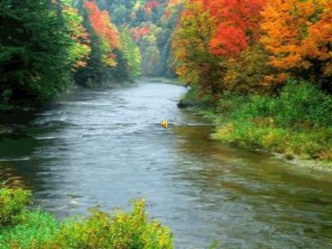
[
  {"x": 238, "y": 22},
  {"x": 175, "y": 2},
  {"x": 139, "y": 32},
  {"x": 102, "y": 25},
  {"x": 150, "y": 5},
  {"x": 167, "y": 14},
  {"x": 229, "y": 40}
]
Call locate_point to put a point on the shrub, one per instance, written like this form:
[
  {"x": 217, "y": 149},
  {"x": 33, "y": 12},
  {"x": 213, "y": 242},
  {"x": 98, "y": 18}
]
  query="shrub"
[
  {"x": 12, "y": 205},
  {"x": 121, "y": 230},
  {"x": 303, "y": 102},
  {"x": 297, "y": 121},
  {"x": 40, "y": 230},
  {"x": 35, "y": 229},
  {"x": 299, "y": 104}
]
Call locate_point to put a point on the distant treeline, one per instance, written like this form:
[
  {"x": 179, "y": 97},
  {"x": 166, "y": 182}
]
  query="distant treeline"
[{"x": 151, "y": 23}]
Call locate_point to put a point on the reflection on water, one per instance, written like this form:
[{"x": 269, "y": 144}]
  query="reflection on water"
[
  {"x": 10, "y": 178},
  {"x": 254, "y": 201},
  {"x": 107, "y": 147}
]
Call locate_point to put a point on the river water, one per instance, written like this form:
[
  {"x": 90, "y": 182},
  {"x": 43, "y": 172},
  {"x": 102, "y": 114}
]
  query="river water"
[{"x": 106, "y": 147}]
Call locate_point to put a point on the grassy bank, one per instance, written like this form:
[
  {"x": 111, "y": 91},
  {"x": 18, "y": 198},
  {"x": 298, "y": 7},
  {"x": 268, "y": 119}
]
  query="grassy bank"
[
  {"x": 295, "y": 122},
  {"x": 23, "y": 227}
]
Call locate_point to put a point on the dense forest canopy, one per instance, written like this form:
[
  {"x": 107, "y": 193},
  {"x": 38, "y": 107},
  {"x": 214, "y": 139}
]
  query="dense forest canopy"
[
  {"x": 45, "y": 45},
  {"x": 247, "y": 46},
  {"x": 151, "y": 23},
  {"x": 253, "y": 45}
]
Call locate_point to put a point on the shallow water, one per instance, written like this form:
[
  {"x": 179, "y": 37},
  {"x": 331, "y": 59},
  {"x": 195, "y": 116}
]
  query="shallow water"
[{"x": 105, "y": 147}]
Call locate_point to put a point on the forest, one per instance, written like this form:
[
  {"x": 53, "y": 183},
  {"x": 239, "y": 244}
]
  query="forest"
[
  {"x": 265, "y": 67},
  {"x": 48, "y": 45},
  {"x": 260, "y": 70}
]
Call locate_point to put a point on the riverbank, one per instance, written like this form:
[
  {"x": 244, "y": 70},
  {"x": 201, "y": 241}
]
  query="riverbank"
[{"x": 295, "y": 126}]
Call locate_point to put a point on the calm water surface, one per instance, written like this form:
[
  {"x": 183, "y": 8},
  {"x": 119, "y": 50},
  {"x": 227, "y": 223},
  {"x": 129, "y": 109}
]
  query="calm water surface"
[{"x": 106, "y": 147}]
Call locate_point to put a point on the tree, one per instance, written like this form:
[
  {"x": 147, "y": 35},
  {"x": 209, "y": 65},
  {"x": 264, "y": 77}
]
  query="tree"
[
  {"x": 35, "y": 44},
  {"x": 237, "y": 24},
  {"x": 193, "y": 61},
  {"x": 79, "y": 50},
  {"x": 106, "y": 31},
  {"x": 131, "y": 53},
  {"x": 298, "y": 34}
]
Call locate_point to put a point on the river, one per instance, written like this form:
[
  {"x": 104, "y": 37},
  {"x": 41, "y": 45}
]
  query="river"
[{"x": 105, "y": 147}]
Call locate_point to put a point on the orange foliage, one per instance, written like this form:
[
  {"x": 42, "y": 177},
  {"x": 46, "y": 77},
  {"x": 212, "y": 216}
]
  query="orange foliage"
[
  {"x": 251, "y": 46},
  {"x": 100, "y": 21},
  {"x": 298, "y": 32},
  {"x": 191, "y": 49},
  {"x": 106, "y": 31}
]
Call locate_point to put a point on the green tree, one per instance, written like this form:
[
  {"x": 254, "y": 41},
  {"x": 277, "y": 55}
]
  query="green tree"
[
  {"x": 34, "y": 54},
  {"x": 131, "y": 53}
]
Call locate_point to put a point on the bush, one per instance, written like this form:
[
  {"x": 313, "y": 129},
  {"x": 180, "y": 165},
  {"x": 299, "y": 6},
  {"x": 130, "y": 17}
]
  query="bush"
[
  {"x": 303, "y": 102},
  {"x": 40, "y": 230},
  {"x": 229, "y": 104},
  {"x": 35, "y": 229},
  {"x": 297, "y": 121},
  {"x": 12, "y": 205},
  {"x": 298, "y": 104},
  {"x": 121, "y": 230}
]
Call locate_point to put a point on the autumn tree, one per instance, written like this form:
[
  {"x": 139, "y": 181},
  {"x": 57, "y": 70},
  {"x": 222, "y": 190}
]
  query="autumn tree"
[
  {"x": 298, "y": 34},
  {"x": 236, "y": 40},
  {"x": 237, "y": 24},
  {"x": 131, "y": 56},
  {"x": 106, "y": 31},
  {"x": 194, "y": 63},
  {"x": 246, "y": 73},
  {"x": 80, "y": 48}
]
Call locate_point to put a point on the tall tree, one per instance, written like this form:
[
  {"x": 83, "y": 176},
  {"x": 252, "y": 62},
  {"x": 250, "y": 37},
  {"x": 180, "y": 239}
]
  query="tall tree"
[
  {"x": 191, "y": 49},
  {"x": 35, "y": 44}
]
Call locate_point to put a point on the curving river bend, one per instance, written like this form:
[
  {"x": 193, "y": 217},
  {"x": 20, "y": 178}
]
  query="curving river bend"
[{"x": 105, "y": 147}]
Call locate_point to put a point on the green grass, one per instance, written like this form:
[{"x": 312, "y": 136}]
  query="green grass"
[{"x": 297, "y": 121}]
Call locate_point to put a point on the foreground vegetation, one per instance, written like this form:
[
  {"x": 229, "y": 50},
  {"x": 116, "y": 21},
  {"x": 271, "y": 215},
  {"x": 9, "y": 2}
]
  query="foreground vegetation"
[{"x": 23, "y": 227}]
